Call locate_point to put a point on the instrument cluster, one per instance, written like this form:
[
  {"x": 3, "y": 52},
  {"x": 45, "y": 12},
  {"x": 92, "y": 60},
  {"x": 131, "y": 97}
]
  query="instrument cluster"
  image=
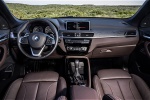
[{"x": 39, "y": 28}]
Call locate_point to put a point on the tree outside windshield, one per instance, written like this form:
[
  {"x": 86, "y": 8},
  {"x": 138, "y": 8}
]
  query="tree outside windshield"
[{"x": 29, "y": 9}]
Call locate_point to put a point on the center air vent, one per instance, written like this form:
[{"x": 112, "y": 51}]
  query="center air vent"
[{"x": 78, "y": 34}]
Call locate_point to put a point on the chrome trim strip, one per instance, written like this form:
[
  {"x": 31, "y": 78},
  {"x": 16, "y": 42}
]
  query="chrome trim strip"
[
  {"x": 12, "y": 35},
  {"x": 1, "y": 40},
  {"x": 123, "y": 46},
  {"x": 3, "y": 37},
  {"x": 92, "y": 37},
  {"x": 39, "y": 54},
  {"x": 147, "y": 37}
]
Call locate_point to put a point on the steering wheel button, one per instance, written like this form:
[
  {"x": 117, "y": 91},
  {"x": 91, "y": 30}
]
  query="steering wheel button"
[
  {"x": 49, "y": 41},
  {"x": 24, "y": 40}
]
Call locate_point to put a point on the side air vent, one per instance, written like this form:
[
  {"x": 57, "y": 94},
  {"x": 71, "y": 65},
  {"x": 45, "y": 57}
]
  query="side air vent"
[
  {"x": 3, "y": 23},
  {"x": 69, "y": 34},
  {"x": 130, "y": 33},
  {"x": 146, "y": 21}
]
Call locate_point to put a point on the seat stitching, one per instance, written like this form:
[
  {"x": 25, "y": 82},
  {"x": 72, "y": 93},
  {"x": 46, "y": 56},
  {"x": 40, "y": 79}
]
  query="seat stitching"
[
  {"x": 48, "y": 90},
  {"x": 110, "y": 97},
  {"x": 131, "y": 89},
  {"x": 59, "y": 81},
  {"x": 37, "y": 90},
  {"x": 97, "y": 88},
  {"x": 120, "y": 89},
  {"x": 117, "y": 98},
  {"x": 8, "y": 92},
  {"x": 10, "y": 89},
  {"x": 25, "y": 92},
  {"x": 109, "y": 87},
  {"x": 100, "y": 85},
  {"x": 134, "y": 77}
]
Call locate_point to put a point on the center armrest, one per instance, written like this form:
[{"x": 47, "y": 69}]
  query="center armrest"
[{"x": 83, "y": 93}]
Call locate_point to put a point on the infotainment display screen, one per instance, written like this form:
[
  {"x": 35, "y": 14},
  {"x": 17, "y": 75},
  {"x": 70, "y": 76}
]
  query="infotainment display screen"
[{"x": 78, "y": 26}]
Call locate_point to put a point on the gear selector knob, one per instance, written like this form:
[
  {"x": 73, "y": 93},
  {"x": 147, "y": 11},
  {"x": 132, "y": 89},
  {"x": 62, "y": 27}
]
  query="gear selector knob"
[
  {"x": 77, "y": 63},
  {"x": 78, "y": 77},
  {"x": 77, "y": 74}
]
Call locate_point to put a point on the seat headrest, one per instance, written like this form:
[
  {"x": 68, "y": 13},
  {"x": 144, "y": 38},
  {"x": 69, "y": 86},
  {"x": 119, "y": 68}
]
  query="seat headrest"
[
  {"x": 46, "y": 76},
  {"x": 113, "y": 74}
]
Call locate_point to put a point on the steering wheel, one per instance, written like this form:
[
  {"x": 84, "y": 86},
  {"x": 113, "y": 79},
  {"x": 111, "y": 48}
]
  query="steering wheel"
[
  {"x": 37, "y": 41},
  {"x": 146, "y": 45}
]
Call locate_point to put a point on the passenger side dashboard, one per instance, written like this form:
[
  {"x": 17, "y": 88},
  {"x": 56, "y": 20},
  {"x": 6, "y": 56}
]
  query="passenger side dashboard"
[{"x": 105, "y": 38}]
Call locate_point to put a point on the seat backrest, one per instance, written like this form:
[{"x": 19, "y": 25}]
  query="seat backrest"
[
  {"x": 120, "y": 84},
  {"x": 40, "y": 86}
]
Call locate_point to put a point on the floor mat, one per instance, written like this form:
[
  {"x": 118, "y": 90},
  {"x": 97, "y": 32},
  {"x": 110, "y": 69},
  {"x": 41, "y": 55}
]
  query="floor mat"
[{"x": 45, "y": 65}]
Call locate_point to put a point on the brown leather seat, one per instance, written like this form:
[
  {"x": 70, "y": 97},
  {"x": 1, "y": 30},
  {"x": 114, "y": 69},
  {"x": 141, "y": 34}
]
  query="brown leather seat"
[
  {"x": 121, "y": 85},
  {"x": 37, "y": 86}
]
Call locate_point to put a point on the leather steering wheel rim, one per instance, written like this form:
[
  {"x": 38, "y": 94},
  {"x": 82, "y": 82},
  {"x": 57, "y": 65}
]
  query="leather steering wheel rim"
[
  {"x": 24, "y": 26},
  {"x": 146, "y": 44}
]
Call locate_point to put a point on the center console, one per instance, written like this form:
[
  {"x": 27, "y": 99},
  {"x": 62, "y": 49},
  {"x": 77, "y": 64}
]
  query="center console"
[
  {"x": 78, "y": 71},
  {"x": 84, "y": 93}
]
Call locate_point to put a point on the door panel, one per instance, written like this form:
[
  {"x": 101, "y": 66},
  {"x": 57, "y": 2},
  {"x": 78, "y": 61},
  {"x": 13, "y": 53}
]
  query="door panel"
[
  {"x": 6, "y": 71},
  {"x": 4, "y": 51},
  {"x": 3, "y": 54}
]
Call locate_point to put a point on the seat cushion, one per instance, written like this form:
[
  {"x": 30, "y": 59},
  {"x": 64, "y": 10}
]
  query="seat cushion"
[
  {"x": 121, "y": 84},
  {"x": 37, "y": 86}
]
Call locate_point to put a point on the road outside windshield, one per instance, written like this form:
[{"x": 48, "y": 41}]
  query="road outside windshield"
[{"x": 29, "y": 9}]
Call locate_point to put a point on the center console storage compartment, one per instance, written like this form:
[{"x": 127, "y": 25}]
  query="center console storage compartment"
[
  {"x": 83, "y": 93},
  {"x": 78, "y": 71}
]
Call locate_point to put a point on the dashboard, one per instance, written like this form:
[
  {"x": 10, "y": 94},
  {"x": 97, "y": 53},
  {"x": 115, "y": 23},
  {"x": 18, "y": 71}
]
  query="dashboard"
[{"x": 91, "y": 37}]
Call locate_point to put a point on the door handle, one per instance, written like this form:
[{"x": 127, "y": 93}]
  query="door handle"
[{"x": 3, "y": 37}]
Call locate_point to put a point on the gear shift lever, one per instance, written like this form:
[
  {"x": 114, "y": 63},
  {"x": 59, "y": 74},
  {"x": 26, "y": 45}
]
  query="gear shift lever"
[
  {"x": 77, "y": 74},
  {"x": 77, "y": 77}
]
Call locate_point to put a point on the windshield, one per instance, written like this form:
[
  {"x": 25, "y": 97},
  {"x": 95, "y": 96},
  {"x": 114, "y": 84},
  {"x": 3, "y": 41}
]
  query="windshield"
[{"x": 28, "y": 9}]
